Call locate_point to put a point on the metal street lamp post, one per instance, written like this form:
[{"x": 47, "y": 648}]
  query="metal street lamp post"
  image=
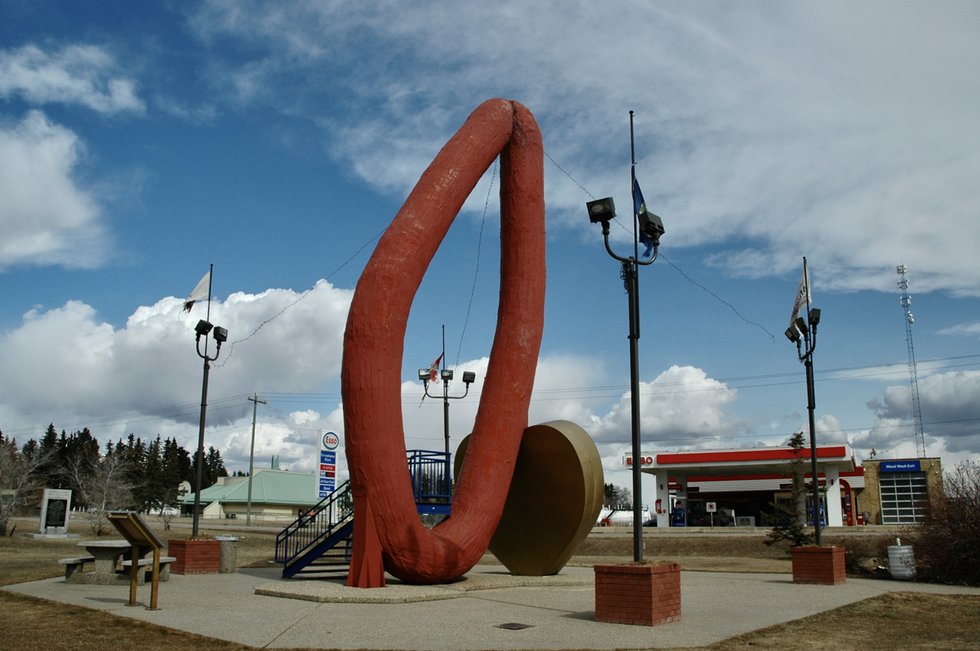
[
  {"x": 648, "y": 227},
  {"x": 203, "y": 328},
  {"x": 803, "y": 332},
  {"x": 446, "y": 375}
]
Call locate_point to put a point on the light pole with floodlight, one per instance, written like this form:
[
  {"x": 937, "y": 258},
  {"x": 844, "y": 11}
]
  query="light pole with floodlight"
[
  {"x": 803, "y": 333},
  {"x": 203, "y": 328},
  {"x": 446, "y": 375},
  {"x": 647, "y": 227}
]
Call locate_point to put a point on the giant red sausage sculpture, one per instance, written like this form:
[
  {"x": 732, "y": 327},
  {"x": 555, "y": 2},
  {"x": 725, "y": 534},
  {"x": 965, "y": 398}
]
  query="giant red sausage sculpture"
[{"x": 387, "y": 525}]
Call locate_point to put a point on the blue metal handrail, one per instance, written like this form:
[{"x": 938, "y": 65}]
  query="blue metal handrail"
[
  {"x": 328, "y": 515},
  {"x": 431, "y": 476},
  {"x": 431, "y": 485}
]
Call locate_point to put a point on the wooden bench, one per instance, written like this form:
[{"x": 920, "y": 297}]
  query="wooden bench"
[
  {"x": 165, "y": 562},
  {"x": 76, "y": 564}
]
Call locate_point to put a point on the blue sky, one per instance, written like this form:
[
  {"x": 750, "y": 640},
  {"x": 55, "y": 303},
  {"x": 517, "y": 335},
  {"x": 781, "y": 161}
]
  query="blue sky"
[{"x": 140, "y": 143}]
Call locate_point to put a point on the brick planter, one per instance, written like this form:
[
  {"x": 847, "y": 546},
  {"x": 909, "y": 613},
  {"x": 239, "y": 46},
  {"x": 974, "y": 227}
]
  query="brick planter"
[
  {"x": 195, "y": 556},
  {"x": 646, "y": 594},
  {"x": 822, "y": 565}
]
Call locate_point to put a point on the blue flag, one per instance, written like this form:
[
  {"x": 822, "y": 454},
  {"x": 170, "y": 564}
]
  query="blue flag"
[{"x": 640, "y": 208}]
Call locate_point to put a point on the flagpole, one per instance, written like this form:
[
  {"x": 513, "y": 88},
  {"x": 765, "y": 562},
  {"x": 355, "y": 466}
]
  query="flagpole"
[
  {"x": 603, "y": 211},
  {"x": 636, "y": 217},
  {"x": 208, "y": 317},
  {"x": 210, "y": 281},
  {"x": 631, "y": 271}
]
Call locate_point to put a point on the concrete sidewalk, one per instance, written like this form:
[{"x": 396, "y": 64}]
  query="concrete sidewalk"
[{"x": 489, "y": 609}]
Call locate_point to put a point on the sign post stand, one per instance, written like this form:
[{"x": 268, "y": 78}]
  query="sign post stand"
[{"x": 327, "y": 464}]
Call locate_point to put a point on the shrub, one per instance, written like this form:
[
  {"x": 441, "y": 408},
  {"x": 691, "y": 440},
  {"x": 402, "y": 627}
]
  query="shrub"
[{"x": 947, "y": 544}]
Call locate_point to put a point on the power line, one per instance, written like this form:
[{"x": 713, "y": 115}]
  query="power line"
[
  {"x": 318, "y": 283},
  {"x": 683, "y": 274},
  {"x": 476, "y": 270},
  {"x": 772, "y": 337}
]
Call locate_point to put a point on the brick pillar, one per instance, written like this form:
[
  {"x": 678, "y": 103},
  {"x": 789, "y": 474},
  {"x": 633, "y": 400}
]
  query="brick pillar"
[
  {"x": 646, "y": 594},
  {"x": 195, "y": 556},
  {"x": 821, "y": 565}
]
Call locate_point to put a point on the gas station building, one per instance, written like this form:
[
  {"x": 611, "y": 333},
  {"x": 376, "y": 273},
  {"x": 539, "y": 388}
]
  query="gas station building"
[{"x": 740, "y": 487}]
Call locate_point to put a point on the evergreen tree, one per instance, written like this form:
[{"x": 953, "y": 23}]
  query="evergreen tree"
[
  {"x": 790, "y": 524},
  {"x": 214, "y": 467},
  {"x": 49, "y": 473}
]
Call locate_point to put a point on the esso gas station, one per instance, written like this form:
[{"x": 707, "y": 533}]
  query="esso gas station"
[{"x": 743, "y": 487}]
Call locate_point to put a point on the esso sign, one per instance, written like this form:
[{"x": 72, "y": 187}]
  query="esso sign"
[
  {"x": 645, "y": 460},
  {"x": 330, "y": 441}
]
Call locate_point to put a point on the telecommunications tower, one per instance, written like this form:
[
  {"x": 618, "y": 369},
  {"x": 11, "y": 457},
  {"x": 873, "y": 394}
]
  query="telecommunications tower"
[{"x": 906, "y": 302}]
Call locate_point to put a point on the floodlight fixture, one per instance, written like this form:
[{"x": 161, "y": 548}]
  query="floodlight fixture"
[
  {"x": 220, "y": 334},
  {"x": 469, "y": 377},
  {"x": 814, "y": 317},
  {"x": 203, "y": 328},
  {"x": 801, "y": 326},
  {"x": 425, "y": 374},
  {"x": 793, "y": 334},
  {"x": 446, "y": 374},
  {"x": 601, "y": 210},
  {"x": 652, "y": 227}
]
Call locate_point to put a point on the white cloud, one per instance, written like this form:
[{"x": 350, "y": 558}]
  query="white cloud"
[
  {"x": 948, "y": 404},
  {"x": 962, "y": 330},
  {"x": 66, "y": 366},
  {"x": 45, "y": 216},
  {"x": 682, "y": 407},
  {"x": 791, "y": 131},
  {"x": 77, "y": 74}
]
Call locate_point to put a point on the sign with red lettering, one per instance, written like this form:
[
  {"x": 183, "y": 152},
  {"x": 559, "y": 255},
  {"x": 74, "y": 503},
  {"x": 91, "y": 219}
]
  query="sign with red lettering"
[{"x": 645, "y": 460}]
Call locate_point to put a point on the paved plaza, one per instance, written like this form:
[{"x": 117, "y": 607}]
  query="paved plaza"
[{"x": 489, "y": 609}]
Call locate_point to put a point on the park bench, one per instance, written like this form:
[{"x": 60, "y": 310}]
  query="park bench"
[
  {"x": 75, "y": 564},
  {"x": 165, "y": 562}
]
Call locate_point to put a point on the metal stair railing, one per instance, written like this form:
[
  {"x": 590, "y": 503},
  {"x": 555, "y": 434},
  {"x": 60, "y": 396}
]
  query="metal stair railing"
[
  {"x": 297, "y": 545},
  {"x": 431, "y": 476},
  {"x": 319, "y": 523}
]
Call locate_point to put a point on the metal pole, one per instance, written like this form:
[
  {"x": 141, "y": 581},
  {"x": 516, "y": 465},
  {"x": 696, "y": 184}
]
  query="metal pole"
[
  {"x": 630, "y": 269},
  {"x": 199, "y": 474},
  {"x": 445, "y": 413},
  {"x": 445, "y": 424},
  {"x": 811, "y": 405}
]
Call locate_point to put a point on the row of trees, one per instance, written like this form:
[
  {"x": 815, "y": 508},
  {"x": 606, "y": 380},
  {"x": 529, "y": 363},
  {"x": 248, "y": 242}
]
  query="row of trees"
[
  {"x": 617, "y": 497},
  {"x": 127, "y": 474}
]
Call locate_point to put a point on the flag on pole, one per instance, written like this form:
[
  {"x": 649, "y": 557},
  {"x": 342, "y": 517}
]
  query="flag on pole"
[
  {"x": 433, "y": 374},
  {"x": 640, "y": 210},
  {"x": 434, "y": 369},
  {"x": 803, "y": 296},
  {"x": 200, "y": 292}
]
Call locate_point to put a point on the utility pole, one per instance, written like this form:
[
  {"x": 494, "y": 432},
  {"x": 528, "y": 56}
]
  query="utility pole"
[{"x": 251, "y": 457}]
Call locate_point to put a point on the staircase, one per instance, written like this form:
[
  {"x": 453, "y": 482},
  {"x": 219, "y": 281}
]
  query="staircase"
[{"x": 319, "y": 542}]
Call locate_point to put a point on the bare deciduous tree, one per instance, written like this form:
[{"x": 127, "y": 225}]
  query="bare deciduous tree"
[
  {"x": 103, "y": 488},
  {"x": 20, "y": 479}
]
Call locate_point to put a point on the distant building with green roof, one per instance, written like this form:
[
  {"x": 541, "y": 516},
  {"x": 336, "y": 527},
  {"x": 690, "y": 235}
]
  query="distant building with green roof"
[{"x": 277, "y": 495}]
